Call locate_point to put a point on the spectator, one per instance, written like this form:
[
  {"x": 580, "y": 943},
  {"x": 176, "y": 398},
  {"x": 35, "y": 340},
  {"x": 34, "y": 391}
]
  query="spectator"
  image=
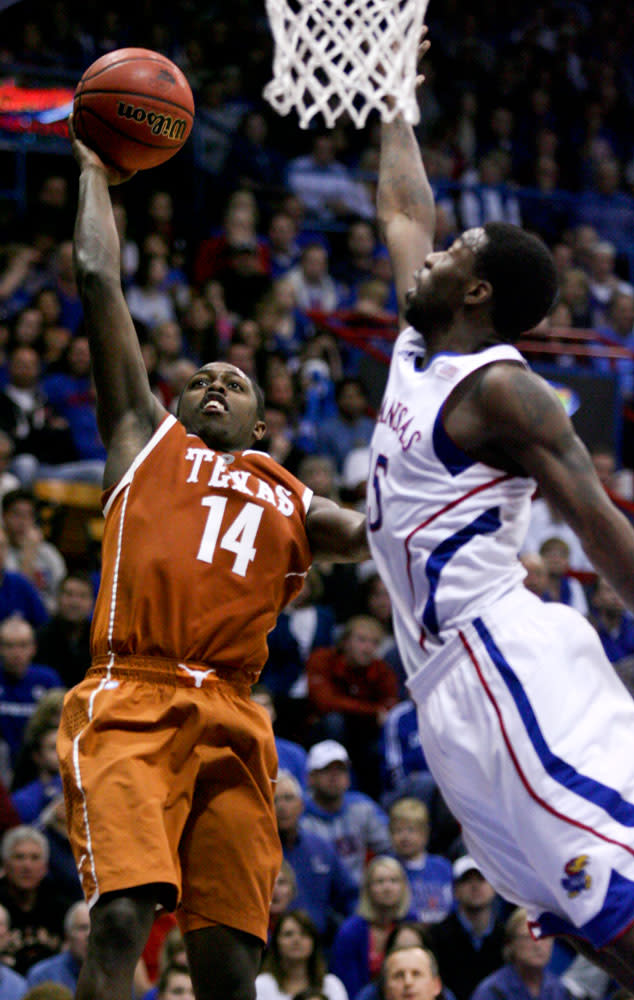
[
  {"x": 404, "y": 769},
  {"x": 406, "y": 935},
  {"x": 472, "y": 932},
  {"x": 544, "y": 204},
  {"x": 283, "y": 246},
  {"x": 574, "y": 291},
  {"x": 325, "y": 186},
  {"x": 35, "y": 906},
  {"x": 319, "y": 473},
  {"x": 430, "y": 875},
  {"x": 608, "y": 209},
  {"x": 25, "y": 414},
  {"x": 359, "y": 946},
  {"x": 351, "y": 427},
  {"x": 488, "y": 198},
  {"x": 7, "y": 480},
  {"x": 61, "y": 865},
  {"x": 305, "y": 624},
  {"x": 291, "y": 756},
  {"x": 28, "y": 553},
  {"x": 561, "y": 586},
  {"x": 536, "y": 579},
  {"x": 619, "y": 329},
  {"x": 614, "y": 624},
  {"x": 354, "y": 476},
  {"x": 175, "y": 984},
  {"x": 352, "y": 689},
  {"x": 325, "y": 888},
  {"x": 12, "y": 986},
  {"x": 604, "y": 283},
  {"x": 63, "y": 643},
  {"x": 215, "y": 256},
  {"x": 351, "y": 821},
  {"x": 279, "y": 439},
  {"x": 22, "y": 682},
  {"x": 357, "y": 262},
  {"x": 294, "y": 962},
  {"x": 524, "y": 973},
  {"x": 314, "y": 287},
  {"x": 66, "y": 286},
  {"x": 47, "y": 715},
  {"x": 148, "y": 299},
  {"x": 284, "y": 327},
  {"x": 24, "y": 276},
  {"x": 253, "y": 162},
  {"x": 72, "y": 395},
  {"x": 284, "y": 892},
  {"x": 65, "y": 967},
  {"x": 31, "y": 799},
  {"x": 410, "y": 974},
  {"x": 547, "y": 521}
]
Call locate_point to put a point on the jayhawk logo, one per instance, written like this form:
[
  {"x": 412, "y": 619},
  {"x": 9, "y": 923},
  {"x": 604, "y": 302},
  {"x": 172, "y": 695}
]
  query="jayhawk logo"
[{"x": 576, "y": 878}]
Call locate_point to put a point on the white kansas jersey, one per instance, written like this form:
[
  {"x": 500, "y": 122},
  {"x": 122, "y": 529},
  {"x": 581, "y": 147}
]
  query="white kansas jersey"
[{"x": 444, "y": 530}]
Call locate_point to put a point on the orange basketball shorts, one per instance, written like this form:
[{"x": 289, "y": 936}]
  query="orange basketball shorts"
[{"x": 167, "y": 782}]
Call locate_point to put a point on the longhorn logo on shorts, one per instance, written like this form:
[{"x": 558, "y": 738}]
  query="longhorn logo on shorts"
[{"x": 576, "y": 878}]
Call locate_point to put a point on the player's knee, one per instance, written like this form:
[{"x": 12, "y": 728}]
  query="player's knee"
[{"x": 117, "y": 930}]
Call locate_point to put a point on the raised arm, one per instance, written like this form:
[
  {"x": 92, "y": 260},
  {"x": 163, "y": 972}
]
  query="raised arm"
[
  {"x": 405, "y": 202},
  {"x": 127, "y": 412},
  {"x": 335, "y": 533},
  {"x": 520, "y": 416}
]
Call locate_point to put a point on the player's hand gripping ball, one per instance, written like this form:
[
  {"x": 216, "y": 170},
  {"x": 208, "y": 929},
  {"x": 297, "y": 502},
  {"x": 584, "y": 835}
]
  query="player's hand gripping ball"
[{"x": 134, "y": 108}]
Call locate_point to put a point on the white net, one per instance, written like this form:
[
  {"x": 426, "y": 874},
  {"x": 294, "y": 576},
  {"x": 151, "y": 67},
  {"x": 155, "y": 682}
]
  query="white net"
[{"x": 337, "y": 56}]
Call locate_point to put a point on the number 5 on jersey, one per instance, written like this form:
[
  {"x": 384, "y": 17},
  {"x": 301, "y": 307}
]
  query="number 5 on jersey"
[{"x": 238, "y": 538}]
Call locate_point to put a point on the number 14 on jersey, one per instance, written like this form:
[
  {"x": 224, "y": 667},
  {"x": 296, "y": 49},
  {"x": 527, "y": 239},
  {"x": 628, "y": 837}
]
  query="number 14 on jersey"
[{"x": 238, "y": 537}]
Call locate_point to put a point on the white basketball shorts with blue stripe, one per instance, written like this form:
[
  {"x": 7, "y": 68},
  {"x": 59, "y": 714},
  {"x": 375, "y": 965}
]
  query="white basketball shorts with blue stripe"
[{"x": 530, "y": 736}]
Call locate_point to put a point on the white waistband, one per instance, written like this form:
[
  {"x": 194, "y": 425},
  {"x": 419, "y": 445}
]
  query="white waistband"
[{"x": 422, "y": 683}]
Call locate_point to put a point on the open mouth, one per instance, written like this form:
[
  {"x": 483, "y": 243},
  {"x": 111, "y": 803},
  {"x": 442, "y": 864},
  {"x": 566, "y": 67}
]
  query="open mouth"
[{"x": 215, "y": 404}]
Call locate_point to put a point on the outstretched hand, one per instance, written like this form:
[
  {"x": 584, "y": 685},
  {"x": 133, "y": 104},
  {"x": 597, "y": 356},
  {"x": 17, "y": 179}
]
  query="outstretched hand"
[
  {"x": 87, "y": 157},
  {"x": 423, "y": 48}
]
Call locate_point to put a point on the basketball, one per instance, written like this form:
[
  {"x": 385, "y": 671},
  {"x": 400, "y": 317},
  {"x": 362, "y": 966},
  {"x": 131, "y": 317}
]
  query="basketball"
[{"x": 134, "y": 108}]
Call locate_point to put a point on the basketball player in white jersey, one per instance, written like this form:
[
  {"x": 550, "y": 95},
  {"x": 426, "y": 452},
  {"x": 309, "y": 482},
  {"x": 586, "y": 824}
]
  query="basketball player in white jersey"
[{"x": 524, "y": 724}]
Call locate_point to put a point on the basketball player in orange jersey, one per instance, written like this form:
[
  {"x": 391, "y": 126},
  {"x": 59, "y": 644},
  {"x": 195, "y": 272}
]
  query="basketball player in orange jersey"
[{"x": 168, "y": 765}]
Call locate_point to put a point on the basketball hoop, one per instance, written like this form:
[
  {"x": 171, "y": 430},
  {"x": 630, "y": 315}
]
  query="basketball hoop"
[{"x": 338, "y": 56}]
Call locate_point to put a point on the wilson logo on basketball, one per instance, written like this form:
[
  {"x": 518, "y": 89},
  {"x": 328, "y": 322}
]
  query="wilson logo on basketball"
[{"x": 165, "y": 125}]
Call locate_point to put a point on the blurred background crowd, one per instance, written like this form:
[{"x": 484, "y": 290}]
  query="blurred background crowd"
[{"x": 258, "y": 244}]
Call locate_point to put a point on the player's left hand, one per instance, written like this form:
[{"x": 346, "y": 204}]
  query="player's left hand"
[{"x": 423, "y": 48}]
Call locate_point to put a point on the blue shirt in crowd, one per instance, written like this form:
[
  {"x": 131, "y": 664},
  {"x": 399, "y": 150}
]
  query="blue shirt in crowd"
[
  {"x": 18, "y": 699},
  {"x": 291, "y": 757},
  {"x": 358, "y": 827},
  {"x": 34, "y": 797},
  {"x": 505, "y": 984},
  {"x": 12, "y": 986},
  {"x": 18, "y": 596},
  {"x": 323, "y": 883},
  {"x": 62, "y": 968},
  {"x": 431, "y": 883}
]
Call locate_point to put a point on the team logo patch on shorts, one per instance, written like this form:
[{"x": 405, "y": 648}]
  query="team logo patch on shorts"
[{"x": 576, "y": 878}]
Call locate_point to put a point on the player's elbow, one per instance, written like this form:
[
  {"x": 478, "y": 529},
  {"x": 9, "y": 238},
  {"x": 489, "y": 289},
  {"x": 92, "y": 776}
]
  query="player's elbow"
[{"x": 95, "y": 279}]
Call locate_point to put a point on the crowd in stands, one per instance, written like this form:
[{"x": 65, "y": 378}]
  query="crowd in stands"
[{"x": 228, "y": 251}]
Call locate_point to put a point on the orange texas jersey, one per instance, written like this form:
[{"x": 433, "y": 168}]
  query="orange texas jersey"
[{"x": 201, "y": 551}]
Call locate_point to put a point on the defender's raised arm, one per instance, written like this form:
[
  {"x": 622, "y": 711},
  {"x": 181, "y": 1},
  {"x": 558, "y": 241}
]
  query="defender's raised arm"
[
  {"x": 127, "y": 412},
  {"x": 405, "y": 202}
]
